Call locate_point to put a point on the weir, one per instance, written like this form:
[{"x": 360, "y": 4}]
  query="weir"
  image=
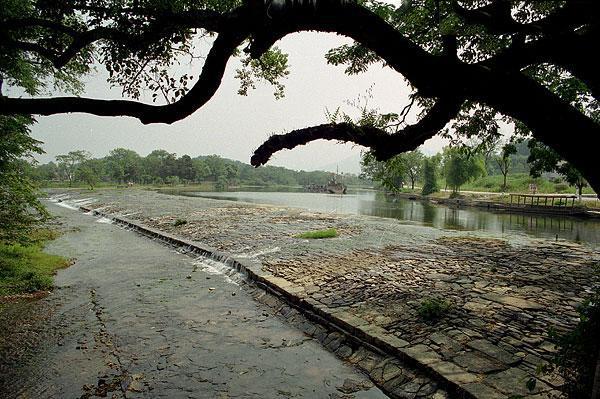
[
  {"x": 359, "y": 335},
  {"x": 353, "y": 327}
]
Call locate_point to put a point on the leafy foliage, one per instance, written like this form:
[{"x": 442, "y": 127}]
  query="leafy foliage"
[
  {"x": 68, "y": 164},
  {"x": 413, "y": 164},
  {"x": 469, "y": 61},
  {"x": 394, "y": 173},
  {"x": 271, "y": 67},
  {"x": 20, "y": 209},
  {"x": 579, "y": 350},
  {"x": 430, "y": 185},
  {"x": 460, "y": 166},
  {"x": 543, "y": 159},
  {"x": 504, "y": 160},
  {"x": 391, "y": 174},
  {"x": 431, "y": 309},
  {"x": 160, "y": 167}
]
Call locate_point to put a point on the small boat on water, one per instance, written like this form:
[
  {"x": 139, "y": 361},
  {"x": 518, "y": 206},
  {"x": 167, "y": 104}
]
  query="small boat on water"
[
  {"x": 332, "y": 187},
  {"x": 335, "y": 187}
]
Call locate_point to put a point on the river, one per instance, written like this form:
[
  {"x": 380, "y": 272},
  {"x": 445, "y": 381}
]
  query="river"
[{"x": 406, "y": 211}]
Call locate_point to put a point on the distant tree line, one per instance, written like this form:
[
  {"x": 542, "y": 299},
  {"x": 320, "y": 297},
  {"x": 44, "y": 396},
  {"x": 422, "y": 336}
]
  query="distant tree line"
[
  {"x": 459, "y": 165},
  {"x": 123, "y": 166}
]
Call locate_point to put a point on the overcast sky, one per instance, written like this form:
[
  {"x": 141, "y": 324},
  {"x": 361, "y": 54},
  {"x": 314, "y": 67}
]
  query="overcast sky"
[{"x": 231, "y": 125}]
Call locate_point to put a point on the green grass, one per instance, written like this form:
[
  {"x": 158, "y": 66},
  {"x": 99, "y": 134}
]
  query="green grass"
[
  {"x": 317, "y": 234},
  {"x": 519, "y": 183},
  {"x": 26, "y": 268}
]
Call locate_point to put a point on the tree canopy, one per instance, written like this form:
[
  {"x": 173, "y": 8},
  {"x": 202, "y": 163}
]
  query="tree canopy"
[
  {"x": 544, "y": 159},
  {"x": 470, "y": 63},
  {"x": 122, "y": 165},
  {"x": 460, "y": 166}
]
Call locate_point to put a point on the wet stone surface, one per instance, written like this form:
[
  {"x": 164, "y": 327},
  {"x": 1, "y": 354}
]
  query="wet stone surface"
[
  {"x": 126, "y": 321},
  {"x": 504, "y": 294}
]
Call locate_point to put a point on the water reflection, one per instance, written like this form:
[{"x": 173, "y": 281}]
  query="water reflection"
[{"x": 439, "y": 216}]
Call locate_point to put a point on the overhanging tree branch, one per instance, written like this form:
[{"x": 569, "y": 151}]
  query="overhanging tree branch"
[
  {"x": 161, "y": 25},
  {"x": 383, "y": 144},
  {"x": 497, "y": 17},
  {"x": 207, "y": 84},
  {"x": 569, "y": 51},
  {"x": 420, "y": 67},
  {"x": 496, "y": 82}
]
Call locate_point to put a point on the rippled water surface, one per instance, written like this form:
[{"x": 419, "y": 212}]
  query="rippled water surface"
[{"x": 443, "y": 217}]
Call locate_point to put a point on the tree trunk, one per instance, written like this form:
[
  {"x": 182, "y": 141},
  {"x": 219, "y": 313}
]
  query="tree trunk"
[{"x": 548, "y": 120}]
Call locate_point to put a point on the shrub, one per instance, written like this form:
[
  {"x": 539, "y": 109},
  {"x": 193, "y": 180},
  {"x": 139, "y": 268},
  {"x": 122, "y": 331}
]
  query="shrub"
[
  {"x": 179, "y": 222},
  {"x": 172, "y": 180},
  {"x": 577, "y": 351},
  {"x": 433, "y": 308}
]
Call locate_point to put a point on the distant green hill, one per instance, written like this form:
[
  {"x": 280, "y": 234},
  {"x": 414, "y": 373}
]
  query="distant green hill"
[{"x": 161, "y": 167}]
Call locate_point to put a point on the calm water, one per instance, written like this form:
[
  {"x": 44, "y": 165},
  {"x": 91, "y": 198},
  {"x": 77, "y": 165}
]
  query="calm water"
[{"x": 443, "y": 217}]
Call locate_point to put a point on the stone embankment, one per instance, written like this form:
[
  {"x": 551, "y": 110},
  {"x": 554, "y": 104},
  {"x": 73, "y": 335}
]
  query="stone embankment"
[{"x": 371, "y": 281}]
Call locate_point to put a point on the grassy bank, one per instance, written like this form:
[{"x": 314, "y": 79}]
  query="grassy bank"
[
  {"x": 519, "y": 183},
  {"x": 26, "y": 268}
]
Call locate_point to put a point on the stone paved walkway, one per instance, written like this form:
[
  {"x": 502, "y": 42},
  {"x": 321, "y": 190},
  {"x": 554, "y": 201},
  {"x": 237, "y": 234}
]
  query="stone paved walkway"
[{"x": 504, "y": 294}]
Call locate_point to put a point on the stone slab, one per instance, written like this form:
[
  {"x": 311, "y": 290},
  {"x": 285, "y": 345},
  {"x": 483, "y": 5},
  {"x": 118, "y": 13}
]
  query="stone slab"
[{"x": 493, "y": 351}]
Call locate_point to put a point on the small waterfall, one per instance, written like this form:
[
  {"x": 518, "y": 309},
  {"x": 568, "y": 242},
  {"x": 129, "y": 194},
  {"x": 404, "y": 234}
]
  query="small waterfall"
[
  {"x": 257, "y": 254},
  {"x": 65, "y": 201},
  {"x": 216, "y": 267},
  {"x": 204, "y": 259}
]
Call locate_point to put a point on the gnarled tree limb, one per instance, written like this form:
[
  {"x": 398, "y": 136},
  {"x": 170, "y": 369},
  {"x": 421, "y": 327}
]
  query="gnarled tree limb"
[
  {"x": 444, "y": 76},
  {"x": 383, "y": 144},
  {"x": 497, "y": 17},
  {"x": 202, "y": 91}
]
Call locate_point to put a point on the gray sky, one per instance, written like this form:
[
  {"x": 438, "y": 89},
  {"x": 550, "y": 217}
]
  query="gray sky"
[{"x": 231, "y": 125}]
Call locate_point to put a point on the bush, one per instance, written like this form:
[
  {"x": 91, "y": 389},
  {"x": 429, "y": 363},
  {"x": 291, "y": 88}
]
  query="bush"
[
  {"x": 172, "y": 180},
  {"x": 179, "y": 222},
  {"x": 433, "y": 308},
  {"x": 577, "y": 351}
]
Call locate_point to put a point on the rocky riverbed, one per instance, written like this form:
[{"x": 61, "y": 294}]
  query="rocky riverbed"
[{"x": 504, "y": 295}]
